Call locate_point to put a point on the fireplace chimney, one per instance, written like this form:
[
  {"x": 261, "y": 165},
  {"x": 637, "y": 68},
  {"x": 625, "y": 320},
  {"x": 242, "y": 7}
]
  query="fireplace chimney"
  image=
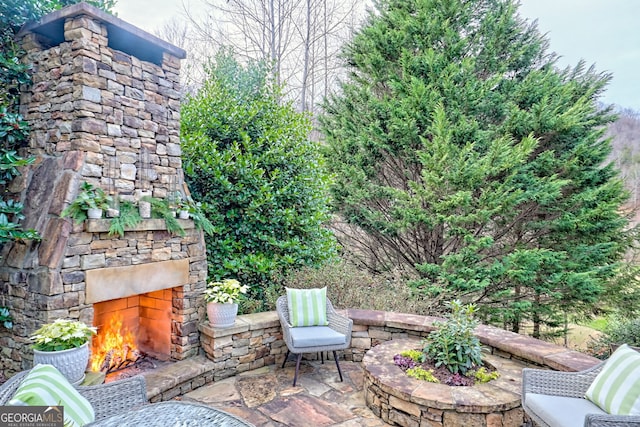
[{"x": 104, "y": 108}]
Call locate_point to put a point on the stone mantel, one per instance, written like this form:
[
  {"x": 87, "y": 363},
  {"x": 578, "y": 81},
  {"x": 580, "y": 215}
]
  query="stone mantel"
[{"x": 103, "y": 225}]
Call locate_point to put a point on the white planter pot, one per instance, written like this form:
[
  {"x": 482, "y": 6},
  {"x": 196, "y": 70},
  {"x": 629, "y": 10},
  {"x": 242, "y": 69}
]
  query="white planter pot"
[
  {"x": 71, "y": 363},
  {"x": 144, "y": 208},
  {"x": 183, "y": 214},
  {"x": 94, "y": 213},
  {"x": 222, "y": 315}
]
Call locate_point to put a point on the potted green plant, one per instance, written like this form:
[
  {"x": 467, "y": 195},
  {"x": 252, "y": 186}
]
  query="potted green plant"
[
  {"x": 90, "y": 203},
  {"x": 64, "y": 344},
  {"x": 184, "y": 208},
  {"x": 222, "y": 301}
]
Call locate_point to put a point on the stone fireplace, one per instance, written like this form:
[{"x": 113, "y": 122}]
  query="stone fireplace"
[{"x": 104, "y": 108}]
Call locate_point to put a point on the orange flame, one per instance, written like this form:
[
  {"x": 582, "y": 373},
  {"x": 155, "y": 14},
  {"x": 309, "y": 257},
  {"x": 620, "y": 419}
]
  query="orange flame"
[{"x": 112, "y": 345}]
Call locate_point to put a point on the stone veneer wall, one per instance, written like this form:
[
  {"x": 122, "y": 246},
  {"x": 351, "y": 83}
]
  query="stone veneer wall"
[
  {"x": 256, "y": 340},
  {"x": 92, "y": 111}
]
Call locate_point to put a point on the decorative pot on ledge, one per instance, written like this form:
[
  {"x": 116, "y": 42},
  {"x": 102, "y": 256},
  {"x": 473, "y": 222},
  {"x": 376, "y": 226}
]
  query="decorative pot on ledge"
[
  {"x": 72, "y": 363},
  {"x": 94, "y": 213},
  {"x": 222, "y": 315}
]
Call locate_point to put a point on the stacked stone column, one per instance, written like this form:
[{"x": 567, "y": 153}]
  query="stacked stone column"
[{"x": 93, "y": 111}]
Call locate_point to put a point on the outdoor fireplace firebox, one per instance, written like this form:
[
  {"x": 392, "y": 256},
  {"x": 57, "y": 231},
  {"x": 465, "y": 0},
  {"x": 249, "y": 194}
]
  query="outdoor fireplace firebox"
[
  {"x": 104, "y": 108},
  {"x": 129, "y": 328}
]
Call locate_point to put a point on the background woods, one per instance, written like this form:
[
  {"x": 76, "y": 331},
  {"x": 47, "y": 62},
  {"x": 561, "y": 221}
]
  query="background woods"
[{"x": 455, "y": 157}]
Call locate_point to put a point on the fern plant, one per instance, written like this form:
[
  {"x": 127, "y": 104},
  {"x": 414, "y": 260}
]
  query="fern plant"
[
  {"x": 197, "y": 212},
  {"x": 161, "y": 209},
  {"x": 129, "y": 217}
]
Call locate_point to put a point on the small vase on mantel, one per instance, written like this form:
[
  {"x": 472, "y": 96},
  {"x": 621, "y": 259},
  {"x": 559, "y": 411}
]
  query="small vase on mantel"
[
  {"x": 222, "y": 315},
  {"x": 144, "y": 207},
  {"x": 94, "y": 213}
]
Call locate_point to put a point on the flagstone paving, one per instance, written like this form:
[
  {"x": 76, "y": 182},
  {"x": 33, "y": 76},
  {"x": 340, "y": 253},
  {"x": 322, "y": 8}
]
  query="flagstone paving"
[{"x": 266, "y": 397}]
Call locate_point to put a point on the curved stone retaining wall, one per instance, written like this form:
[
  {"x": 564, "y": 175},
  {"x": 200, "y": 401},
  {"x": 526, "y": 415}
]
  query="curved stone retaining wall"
[
  {"x": 401, "y": 400},
  {"x": 256, "y": 340}
]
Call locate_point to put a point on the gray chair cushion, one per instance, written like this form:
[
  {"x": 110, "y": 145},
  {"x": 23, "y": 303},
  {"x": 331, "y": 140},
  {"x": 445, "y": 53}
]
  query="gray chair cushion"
[
  {"x": 560, "y": 411},
  {"x": 314, "y": 336}
]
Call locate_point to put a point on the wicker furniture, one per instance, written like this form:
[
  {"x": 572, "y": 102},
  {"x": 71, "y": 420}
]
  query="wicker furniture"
[
  {"x": 124, "y": 403},
  {"x": 172, "y": 413},
  {"x": 553, "y": 398},
  {"x": 107, "y": 399},
  {"x": 338, "y": 326}
]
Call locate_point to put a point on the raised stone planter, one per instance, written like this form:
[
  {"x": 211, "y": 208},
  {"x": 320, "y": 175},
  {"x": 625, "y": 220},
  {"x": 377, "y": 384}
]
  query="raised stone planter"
[{"x": 404, "y": 401}]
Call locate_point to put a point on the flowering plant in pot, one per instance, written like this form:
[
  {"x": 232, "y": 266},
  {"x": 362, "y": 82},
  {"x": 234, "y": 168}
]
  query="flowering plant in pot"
[
  {"x": 222, "y": 301},
  {"x": 64, "y": 344}
]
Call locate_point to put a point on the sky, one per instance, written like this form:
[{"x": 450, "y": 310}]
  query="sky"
[{"x": 604, "y": 33}]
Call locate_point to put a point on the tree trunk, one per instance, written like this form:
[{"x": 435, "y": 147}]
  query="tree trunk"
[
  {"x": 536, "y": 317},
  {"x": 305, "y": 64}
]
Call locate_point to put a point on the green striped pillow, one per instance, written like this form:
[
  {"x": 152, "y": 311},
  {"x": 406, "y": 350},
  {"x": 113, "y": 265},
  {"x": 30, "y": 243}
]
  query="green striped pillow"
[
  {"x": 307, "y": 307},
  {"x": 46, "y": 386},
  {"x": 616, "y": 389}
]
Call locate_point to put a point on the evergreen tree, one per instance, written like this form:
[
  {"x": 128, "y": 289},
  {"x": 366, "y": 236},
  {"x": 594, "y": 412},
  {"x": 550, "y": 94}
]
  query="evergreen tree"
[
  {"x": 463, "y": 154},
  {"x": 264, "y": 183}
]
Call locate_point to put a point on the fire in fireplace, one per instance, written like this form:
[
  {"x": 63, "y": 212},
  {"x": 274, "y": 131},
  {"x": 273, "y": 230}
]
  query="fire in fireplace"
[
  {"x": 114, "y": 348},
  {"x": 130, "y": 329}
]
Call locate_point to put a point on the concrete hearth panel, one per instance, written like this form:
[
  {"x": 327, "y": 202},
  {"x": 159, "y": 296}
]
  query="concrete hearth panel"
[{"x": 105, "y": 284}]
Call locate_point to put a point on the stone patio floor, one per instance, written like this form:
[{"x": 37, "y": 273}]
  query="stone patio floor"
[{"x": 266, "y": 397}]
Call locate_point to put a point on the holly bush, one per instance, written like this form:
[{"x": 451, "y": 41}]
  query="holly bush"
[{"x": 248, "y": 157}]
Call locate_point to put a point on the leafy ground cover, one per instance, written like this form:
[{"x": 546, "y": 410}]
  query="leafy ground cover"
[{"x": 428, "y": 371}]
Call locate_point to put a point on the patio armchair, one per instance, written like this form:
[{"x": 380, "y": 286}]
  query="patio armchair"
[
  {"x": 106, "y": 399},
  {"x": 336, "y": 335},
  {"x": 124, "y": 402},
  {"x": 553, "y": 398}
]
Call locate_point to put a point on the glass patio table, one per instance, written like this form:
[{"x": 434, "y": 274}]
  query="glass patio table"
[{"x": 173, "y": 414}]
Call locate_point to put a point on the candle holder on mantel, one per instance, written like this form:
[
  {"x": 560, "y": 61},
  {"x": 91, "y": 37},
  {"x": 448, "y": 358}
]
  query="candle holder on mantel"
[
  {"x": 113, "y": 211},
  {"x": 144, "y": 207}
]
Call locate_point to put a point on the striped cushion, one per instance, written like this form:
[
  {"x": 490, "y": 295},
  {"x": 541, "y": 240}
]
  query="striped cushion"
[
  {"x": 616, "y": 389},
  {"x": 46, "y": 386},
  {"x": 307, "y": 307}
]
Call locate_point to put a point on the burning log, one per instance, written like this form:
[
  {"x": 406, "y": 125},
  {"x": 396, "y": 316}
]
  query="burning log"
[
  {"x": 114, "y": 362},
  {"x": 114, "y": 347}
]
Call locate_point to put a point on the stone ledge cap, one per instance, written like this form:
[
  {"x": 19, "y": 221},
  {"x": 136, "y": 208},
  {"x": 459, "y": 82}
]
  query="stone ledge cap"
[{"x": 51, "y": 21}]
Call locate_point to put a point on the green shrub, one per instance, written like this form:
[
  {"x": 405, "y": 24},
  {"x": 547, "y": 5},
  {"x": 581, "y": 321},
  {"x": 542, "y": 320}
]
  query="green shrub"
[
  {"x": 422, "y": 374},
  {"x": 248, "y": 158},
  {"x": 617, "y": 331},
  {"x": 454, "y": 344},
  {"x": 351, "y": 287},
  {"x": 484, "y": 376},
  {"x": 415, "y": 355},
  {"x": 5, "y": 318}
]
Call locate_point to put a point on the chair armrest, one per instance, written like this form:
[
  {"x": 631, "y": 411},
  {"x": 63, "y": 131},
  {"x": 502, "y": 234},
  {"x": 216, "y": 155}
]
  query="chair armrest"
[
  {"x": 116, "y": 397},
  {"x": 598, "y": 420},
  {"x": 557, "y": 383},
  {"x": 340, "y": 323},
  {"x": 9, "y": 388}
]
